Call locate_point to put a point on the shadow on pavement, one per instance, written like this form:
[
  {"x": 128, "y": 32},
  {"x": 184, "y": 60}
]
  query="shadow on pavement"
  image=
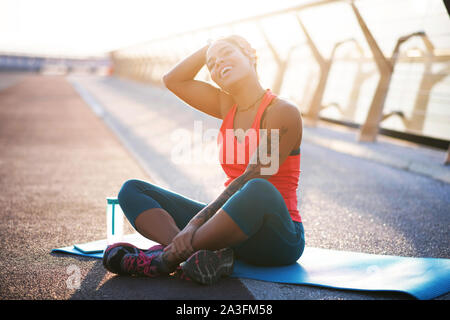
[{"x": 100, "y": 284}]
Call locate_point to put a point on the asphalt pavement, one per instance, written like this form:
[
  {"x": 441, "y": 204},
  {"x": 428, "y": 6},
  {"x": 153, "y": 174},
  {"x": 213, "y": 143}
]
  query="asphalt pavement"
[
  {"x": 58, "y": 163},
  {"x": 67, "y": 143}
]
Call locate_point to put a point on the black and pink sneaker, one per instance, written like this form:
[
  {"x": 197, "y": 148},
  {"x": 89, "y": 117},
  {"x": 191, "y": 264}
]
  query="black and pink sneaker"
[
  {"x": 207, "y": 267},
  {"x": 143, "y": 264},
  {"x": 114, "y": 254}
]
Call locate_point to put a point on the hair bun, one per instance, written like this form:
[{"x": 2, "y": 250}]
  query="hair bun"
[{"x": 243, "y": 45}]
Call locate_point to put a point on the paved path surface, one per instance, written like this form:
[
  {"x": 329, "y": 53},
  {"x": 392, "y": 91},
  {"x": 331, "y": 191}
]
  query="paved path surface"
[
  {"x": 59, "y": 161},
  {"x": 351, "y": 198}
]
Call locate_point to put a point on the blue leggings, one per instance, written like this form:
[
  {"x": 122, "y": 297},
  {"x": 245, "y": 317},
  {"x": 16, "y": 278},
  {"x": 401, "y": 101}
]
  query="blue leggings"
[{"x": 257, "y": 208}]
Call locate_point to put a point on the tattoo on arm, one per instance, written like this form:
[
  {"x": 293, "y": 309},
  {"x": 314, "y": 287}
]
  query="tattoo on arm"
[
  {"x": 252, "y": 171},
  {"x": 207, "y": 212}
]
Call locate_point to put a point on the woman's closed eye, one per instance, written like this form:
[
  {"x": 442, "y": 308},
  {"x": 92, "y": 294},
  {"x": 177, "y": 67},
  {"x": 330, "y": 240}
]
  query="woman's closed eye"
[{"x": 212, "y": 63}]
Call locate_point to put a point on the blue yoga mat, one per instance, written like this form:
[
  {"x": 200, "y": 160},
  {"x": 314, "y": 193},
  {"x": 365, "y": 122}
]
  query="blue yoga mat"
[{"x": 422, "y": 278}]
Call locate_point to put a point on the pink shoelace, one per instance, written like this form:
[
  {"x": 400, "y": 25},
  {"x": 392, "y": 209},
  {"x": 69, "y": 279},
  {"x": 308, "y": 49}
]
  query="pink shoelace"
[{"x": 140, "y": 264}]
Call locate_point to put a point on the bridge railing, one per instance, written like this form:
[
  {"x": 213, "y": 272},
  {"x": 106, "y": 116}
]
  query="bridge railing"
[{"x": 360, "y": 62}]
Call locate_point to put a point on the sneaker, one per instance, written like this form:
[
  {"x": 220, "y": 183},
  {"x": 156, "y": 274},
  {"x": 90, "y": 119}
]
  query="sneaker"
[
  {"x": 180, "y": 274},
  {"x": 207, "y": 267},
  {"x": 143, "y": 264},
  {"x": 113, "y": 255}
]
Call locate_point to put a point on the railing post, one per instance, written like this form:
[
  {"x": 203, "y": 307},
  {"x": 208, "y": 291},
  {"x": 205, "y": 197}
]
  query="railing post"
[
  {"x": 312, "y": 114},
  {"x": 369, "y": 129},
  {"x": 428, "y": 81},
  {"x": 360, "y": 78},
  {"x": 315, "y": 106}
]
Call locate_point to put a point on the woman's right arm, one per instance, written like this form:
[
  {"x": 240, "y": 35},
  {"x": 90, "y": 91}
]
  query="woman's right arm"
[{"x": 198, "y": 94}]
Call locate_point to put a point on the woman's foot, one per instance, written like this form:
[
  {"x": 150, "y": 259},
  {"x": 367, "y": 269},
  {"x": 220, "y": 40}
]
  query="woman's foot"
[
  {"x": 113, "y": 257},
  {"x": 207, "y": 267},
  {"x": 144, "y": 264}
]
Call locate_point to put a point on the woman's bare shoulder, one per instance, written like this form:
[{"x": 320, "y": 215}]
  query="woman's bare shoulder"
[{"x": 281, "y": 109}]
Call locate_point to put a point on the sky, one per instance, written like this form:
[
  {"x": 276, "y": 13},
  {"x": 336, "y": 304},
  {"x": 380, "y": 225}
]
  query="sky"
[{"x": 92, "y": 27}]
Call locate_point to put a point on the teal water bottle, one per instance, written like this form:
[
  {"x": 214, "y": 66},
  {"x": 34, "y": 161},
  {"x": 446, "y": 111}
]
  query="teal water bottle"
[{"x": 114, "y": 221}]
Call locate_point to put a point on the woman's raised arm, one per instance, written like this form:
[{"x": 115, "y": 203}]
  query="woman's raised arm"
[{"x": 198, "y": 94}]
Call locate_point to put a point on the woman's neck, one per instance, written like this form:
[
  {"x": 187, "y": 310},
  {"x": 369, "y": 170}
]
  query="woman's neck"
[{"x": 247, "y": 96}]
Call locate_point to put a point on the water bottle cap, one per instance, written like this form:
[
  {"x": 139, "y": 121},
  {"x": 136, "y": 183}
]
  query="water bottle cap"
[{"x": 112, "y": 200}]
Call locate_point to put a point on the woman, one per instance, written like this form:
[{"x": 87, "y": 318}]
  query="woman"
[{"x": 256, "y": 217}]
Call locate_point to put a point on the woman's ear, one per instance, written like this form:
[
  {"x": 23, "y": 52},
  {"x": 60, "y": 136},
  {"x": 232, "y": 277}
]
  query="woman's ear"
[
  {"x": 252, "y": 56},
  {"x": 250, "y": 53}
]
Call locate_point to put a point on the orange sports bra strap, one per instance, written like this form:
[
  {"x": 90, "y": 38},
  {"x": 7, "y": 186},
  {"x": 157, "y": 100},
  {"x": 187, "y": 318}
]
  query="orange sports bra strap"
[
  {"x": 229, "y": 116},
  {"x": 268, "y": 97}
]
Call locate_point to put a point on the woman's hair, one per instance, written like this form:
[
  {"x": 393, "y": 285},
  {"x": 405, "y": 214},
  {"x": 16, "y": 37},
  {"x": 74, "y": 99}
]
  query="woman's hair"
[{"x": 243, "y": 45}]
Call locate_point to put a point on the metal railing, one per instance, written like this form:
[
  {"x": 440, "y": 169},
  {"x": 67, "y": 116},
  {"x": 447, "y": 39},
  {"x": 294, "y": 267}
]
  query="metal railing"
[{"x": 149, "y": 61}]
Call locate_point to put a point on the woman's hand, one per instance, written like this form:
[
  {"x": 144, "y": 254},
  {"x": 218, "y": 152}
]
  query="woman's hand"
[{"x": 181, "y": 246}]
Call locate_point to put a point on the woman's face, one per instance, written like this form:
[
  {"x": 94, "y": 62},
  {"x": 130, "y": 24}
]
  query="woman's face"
[{"x": 228, "y": 64}]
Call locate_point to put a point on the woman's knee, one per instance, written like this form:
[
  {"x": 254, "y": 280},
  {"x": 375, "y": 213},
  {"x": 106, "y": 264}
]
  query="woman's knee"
[
  {"x": 128, "y": 189},
  {"x": 265, "y": 200},
  {"x": 256, "y": 198},
  {"x": 260, "y": 186},
  {"x": 125, "y": 189}
]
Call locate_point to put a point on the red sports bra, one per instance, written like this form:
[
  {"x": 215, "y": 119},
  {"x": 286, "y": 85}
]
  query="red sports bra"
[{"x": 236, "y": 160}]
